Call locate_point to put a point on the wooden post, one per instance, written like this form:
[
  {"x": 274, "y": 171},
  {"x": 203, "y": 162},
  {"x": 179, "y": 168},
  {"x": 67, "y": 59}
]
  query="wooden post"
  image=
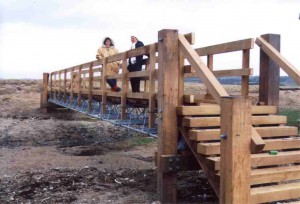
[
  {"x": 181, "y": 79},
  {"x": 65, "y": 85},
  {"x": 72, "y": 87},
  {"x": 59, "y": 83},
  {"x": 146, "y": 82},
  {"x": 152, "y": 86},
  {"x": 91, "y": 78},
  {"x": 103, "y": 85},
  {"x": 55, "y": 84},
  {"x": 44, "y": 96},
  {"x": 124, "y": 86},
  {"x": 269, "y": 74},
  {"x": 168, "y": 68},
  {"x": 210, "y": 66},
  {"x": 235, "y": 150},
  {"x": 245, "y": 79},
  {"x": 79, "y": 86},
  {"x": 210, "y": 62}
]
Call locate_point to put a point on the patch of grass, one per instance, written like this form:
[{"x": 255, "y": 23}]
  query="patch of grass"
[
  {"x": 293, "y": 116},
  {"x": 141, "y": 140}
]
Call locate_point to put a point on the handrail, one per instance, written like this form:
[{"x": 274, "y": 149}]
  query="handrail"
[{"x": 290, "y": 69}]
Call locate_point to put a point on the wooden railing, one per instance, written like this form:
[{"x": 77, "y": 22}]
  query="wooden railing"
[
  {"x": 92, "y": 73},
  {"x": 290, "y": 69}
]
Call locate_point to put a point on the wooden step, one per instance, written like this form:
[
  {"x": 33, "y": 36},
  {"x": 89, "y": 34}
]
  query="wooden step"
[
  {"x": 271, "y": 144},
  {"x": 215, "y": 121},
  {"x": 263, "y": 159},
  {"x": 275, "y": 193},
  {"x": 275, "y": 174},
  {"x": 265, "y": 132},
  {"x": 215, "y": 110}
]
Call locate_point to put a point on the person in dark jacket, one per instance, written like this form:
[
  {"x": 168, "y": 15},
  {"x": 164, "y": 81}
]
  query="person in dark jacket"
[{"x": 135, "y": 64}]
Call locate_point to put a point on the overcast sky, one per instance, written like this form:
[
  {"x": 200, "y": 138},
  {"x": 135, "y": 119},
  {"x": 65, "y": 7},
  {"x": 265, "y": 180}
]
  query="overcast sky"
[{"x": 39, "y": 36}]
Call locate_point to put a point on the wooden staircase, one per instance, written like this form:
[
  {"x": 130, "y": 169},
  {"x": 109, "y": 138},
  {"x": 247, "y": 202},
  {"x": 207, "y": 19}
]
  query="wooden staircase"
[{"x": 274, "y": 177}]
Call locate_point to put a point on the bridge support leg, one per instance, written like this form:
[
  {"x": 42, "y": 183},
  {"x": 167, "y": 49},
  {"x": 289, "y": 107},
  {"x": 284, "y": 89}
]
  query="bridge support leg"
[
  {"x": 168, "y": 62},
  {"x": 235, "y": 150},
  {"x": 269, "y": 74},
  {"x": 44, "y": 94}
]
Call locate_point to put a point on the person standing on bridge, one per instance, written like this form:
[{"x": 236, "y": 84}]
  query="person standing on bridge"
[
  {"x": 135, "y": 64},
  {"x": 106, "y": 50}
]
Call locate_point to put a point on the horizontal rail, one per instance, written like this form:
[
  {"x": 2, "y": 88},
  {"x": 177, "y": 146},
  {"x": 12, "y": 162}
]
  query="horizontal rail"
[{"x": 226, "y": 47}]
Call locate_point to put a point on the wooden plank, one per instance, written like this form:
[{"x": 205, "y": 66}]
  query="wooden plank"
[
  {"x": 138, "y": 95},
  {"x": 226, "y": 47},
  {"x": 114, "y": 94},
  {"x": 44, "y": 95},
  {"x": 257, "y": 143},
  {"x": 264, "y": 159},
  {"x": 91, "y": 75},
  {"x": 213, "y": 85},
  {"x": 114, "y": 58},
  {"x": 72, "y": 87},
  {"x": 235, "y": 152},
  {"x": 275, "y": 174},
  {"x": 190, "y": 37},
  {"x": 271, "y": 144},
  {"x": 210, "y": 62},
  {"x": 59, "y": 83},
  {"x": 277, "y": 131},
  {"x": 215, "y": 110},
  {"x": 245, "y": 79},
  {"x": 138, "y": 74},
  {"x": 223, "y": 73},
  {"x": 138, "y": 51},
  {"x": 275, "y": 193},
  {"x": 146, "y": 82},
  {"x": 55, "y": 86},
  {"x": 188, "y": 99},
  {"x": 168, "y": 68},
  {"x": 280, "y": 144},
  {"x": 51, "y": 83},
  {"x": 152, "y": 87},
  {"x": 215, "y": 121},
  {"x": 181, "y": 95},
  {"x": 273, "y": 53},
  {"x": 268, "y": 120},
  {"x": 103, "y": 86},
  {"x": 124, "y": 86},
  {"x": 114, "y": 76},
  {"x": 65, "y": 85},
  {"x": 269, "y": 74},
  {"x": 79, "y": 86}
]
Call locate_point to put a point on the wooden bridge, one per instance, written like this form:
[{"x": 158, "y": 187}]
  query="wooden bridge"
[{"x": 246, "y": 150}]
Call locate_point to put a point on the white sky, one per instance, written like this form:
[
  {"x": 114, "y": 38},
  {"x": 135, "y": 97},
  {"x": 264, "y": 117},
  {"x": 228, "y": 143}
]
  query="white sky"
[{"x": 39, "y": 36}]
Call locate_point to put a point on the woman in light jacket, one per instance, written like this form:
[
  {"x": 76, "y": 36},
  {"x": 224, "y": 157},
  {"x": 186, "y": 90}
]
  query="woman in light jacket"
[{"x": 108, "y": 49}]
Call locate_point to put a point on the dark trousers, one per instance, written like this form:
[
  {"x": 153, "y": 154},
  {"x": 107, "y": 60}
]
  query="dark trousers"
[
  {"x": 135, "y": 82},
  {"x": 111, "y": 82}
]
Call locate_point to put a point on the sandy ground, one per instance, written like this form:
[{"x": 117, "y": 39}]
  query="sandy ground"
[{"x": 66, "y": 157}]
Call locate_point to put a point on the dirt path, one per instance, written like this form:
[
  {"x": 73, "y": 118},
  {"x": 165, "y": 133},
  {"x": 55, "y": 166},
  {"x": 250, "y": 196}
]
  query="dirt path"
[{"x": 66, "y": 157}]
